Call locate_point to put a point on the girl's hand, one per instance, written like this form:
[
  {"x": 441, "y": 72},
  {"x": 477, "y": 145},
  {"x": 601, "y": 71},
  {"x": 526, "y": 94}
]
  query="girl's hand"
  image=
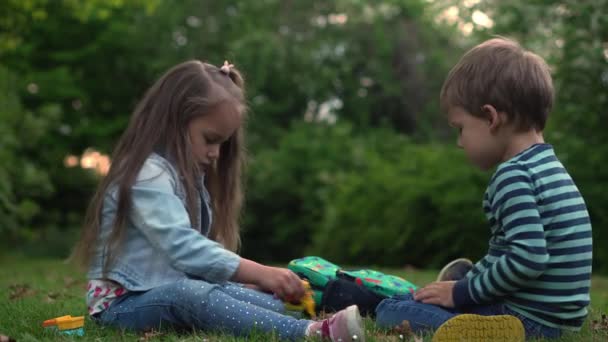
[
  {"x": 283, "y": 283},
  {"x": 437, "y": 293}
]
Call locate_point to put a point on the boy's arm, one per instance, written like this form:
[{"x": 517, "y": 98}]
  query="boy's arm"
[{"x": 517, "y": 216}]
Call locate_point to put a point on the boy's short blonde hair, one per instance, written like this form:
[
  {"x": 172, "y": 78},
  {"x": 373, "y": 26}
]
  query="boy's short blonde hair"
[{"x": 499, "y": 72}]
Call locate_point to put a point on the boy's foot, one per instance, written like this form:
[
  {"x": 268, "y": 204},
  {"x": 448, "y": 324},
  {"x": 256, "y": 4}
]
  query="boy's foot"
[
  {"x": 455, "y": 270},
  {"x": 476, "y": 328},
  {"x": 345, "y": 325}
]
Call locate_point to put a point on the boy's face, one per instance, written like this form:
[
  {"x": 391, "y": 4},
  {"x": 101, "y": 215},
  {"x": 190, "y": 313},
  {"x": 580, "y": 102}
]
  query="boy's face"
[{"x": 482, "y": 147}]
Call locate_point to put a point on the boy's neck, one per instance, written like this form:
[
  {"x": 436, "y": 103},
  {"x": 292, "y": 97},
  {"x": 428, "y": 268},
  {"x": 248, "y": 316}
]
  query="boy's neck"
[{"x": 519, "y": 142}]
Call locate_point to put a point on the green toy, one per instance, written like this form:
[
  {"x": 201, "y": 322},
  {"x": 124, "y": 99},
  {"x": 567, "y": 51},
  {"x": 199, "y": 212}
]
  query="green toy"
[{"x": 319, "y": 272}]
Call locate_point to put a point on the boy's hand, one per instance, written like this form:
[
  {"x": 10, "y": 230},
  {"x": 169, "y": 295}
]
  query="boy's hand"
[{"x": 437, "y": 293}]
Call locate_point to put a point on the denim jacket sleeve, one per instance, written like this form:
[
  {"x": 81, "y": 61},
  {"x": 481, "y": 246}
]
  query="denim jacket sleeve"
[{"x": 162, "y": 218}]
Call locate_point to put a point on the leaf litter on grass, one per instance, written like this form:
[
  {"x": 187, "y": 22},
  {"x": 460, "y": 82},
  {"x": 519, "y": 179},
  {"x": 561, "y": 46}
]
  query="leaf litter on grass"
[
  {"x": 601, "y": 325},
  {"x": 19, "y": 291}
]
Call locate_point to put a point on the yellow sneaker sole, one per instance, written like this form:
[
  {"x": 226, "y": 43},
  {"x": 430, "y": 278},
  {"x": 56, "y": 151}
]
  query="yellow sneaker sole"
[{"x": 476, "y": 328}]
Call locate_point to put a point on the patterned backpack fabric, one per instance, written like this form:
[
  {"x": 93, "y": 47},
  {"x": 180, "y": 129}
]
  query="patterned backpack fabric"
[
  {"x": 319, "y": 272},
  {"x": 383, "y": 284}
]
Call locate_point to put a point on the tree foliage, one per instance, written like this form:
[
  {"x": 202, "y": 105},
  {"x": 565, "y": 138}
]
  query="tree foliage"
[{"x": 350, "y": 157}]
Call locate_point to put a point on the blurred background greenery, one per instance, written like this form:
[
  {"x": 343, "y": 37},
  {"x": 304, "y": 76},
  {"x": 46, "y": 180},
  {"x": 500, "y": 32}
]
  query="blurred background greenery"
[{"x": 350, "y": 157}]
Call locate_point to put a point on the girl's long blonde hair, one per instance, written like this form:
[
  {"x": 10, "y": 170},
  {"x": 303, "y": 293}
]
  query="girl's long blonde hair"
[{"x": 159, "y": 124}]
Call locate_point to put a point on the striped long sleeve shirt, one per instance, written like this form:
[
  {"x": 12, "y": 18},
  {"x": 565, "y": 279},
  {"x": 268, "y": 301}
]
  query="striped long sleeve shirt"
[{"x": 540, "y": 251}]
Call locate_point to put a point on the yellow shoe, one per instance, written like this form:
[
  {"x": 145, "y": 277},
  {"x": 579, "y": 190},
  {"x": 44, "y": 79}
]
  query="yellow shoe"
[{"x": 476, "y": 328}]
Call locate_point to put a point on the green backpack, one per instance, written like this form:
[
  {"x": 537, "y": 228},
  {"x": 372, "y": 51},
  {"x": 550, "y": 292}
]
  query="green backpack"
[{"x": 319, "y": 272}]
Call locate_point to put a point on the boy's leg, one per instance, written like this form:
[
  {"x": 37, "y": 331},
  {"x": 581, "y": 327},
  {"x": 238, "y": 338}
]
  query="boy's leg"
[
  {"x": 421, "y": 317},
  {"x": 183, "y": 305},
  {"x": 490, "y": 322},
  {"x": 535, "y": 329},
  {"x": 478, "y": 328}
]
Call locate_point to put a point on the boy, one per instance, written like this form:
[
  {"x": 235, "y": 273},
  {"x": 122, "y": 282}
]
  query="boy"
[{"x": 538, "y": 267}]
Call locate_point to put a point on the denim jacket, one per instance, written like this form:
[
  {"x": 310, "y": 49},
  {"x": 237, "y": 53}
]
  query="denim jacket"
[{"x": 160, "y": 245}]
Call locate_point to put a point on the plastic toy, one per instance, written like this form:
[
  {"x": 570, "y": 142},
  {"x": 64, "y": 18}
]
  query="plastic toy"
[
  {"x": 307, "y": 303},
  {"x": 67, "y": 325}
]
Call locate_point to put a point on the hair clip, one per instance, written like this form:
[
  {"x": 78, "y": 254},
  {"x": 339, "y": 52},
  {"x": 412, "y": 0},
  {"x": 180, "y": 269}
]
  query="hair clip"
[{"x": 226, "y": 68}]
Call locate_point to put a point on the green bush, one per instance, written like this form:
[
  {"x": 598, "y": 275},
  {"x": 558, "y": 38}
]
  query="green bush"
[
  {"x": 23, "y": 181},
  {"x": 366, "y": 198},
  {"x": 420, "y": 205},
  {"x": 287, "y": 185}
]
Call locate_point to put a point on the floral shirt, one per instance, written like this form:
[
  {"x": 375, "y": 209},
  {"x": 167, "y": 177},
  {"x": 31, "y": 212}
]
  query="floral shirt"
[{"x": 101, "y": 293}]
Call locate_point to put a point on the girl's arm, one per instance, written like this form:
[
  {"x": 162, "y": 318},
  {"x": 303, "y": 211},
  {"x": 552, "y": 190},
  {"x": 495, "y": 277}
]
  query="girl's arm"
[
  {"x": 160, "y": 216},
  {"x": 280, "y": 281}
]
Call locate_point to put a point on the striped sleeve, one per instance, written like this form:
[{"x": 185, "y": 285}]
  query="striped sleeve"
[{"x": 519, "y": 229}]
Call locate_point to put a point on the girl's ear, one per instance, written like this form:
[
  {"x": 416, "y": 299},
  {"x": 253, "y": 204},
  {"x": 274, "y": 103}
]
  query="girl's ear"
[{"x": 494, "y": 118}]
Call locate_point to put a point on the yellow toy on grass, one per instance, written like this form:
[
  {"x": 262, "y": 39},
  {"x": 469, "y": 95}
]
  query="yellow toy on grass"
[
  {"x": 67, "y": 325},
  {"x": 307, "y": 303}
]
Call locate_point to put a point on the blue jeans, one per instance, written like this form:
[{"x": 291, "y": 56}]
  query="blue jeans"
[
  {"x": 393, "y": 311},
  {"x": 228, "y": 308},
  {"x": 535, "y": 329}
]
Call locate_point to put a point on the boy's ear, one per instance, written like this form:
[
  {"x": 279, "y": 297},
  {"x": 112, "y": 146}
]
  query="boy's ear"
[{"x": 493, "y": 117}]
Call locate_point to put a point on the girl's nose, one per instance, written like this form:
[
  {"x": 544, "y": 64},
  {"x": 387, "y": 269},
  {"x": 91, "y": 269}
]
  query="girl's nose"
[
  {"x": 459, "y": 142},
  {"x": 214, "y": 152}
]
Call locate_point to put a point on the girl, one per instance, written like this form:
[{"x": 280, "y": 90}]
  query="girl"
[{"x": 161, "y": 232}]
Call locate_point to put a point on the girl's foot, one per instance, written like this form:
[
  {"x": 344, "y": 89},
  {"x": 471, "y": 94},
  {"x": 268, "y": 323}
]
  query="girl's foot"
[{"x": 345, "y": 325}]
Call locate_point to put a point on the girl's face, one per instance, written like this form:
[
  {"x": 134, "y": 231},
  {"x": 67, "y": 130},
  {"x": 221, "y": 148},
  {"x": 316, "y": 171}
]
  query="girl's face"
[{"x": 208, "y": 132}]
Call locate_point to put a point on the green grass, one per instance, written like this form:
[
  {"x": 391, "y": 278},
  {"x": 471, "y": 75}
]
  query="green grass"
[{"x": 51, "y": 288}]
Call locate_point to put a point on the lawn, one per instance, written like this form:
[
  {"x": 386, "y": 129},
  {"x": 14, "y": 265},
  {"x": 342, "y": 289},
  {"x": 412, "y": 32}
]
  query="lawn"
[{"x": 32, "y": 290}]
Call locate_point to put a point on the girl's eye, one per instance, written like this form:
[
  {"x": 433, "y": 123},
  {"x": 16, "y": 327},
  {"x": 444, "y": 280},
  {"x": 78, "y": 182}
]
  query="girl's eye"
[
  {"x": 212, "y": 141},
  {"x": 209, "y": 140}
]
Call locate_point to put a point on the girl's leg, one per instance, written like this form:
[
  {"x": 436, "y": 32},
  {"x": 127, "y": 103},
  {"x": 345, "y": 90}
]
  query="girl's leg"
[
  {"x": 341, "y": 327},
  {"x": 182, "y": 305},
  {"x": 257, "y": 298},
  {"x": 393, "y": 311}
]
